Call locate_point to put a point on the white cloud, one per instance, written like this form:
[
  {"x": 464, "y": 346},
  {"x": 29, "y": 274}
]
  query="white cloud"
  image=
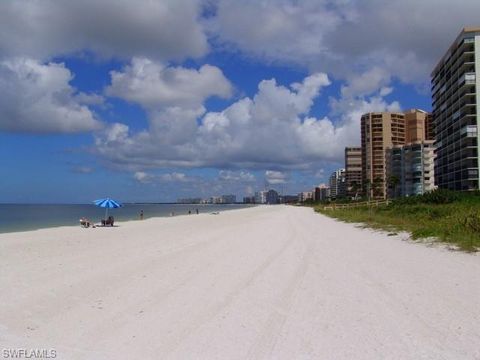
[
  {"x": 384, "y": 91},
  {"x": 146, "y": 178},
  {"x": 155, "y": 85},
  {"x": 277, "y": 30},
  {"x": 142, "y": 177},
  {"x": 275, "y": 177},
  {"x": 158, "y": 29},
  {"x": 229, "y": 175},
  {"x": 90, "y": 99},
  {"x": 366, "y": 83},
  {"x": 271, "y": 130},
  {"x": 38, "y": 98},
  {"x": 251, "y": 133},
  {"x": 175, "y": 177},
  {"x": 345, "y": 38}
]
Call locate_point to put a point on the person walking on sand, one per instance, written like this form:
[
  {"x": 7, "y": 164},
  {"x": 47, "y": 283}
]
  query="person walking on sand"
[
  {"x": 141, "y": 214},
  {"x": 196, "y": 211}
]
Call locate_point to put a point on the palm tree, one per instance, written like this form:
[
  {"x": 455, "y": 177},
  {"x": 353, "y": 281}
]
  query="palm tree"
[{"x": 354, "y": 188}]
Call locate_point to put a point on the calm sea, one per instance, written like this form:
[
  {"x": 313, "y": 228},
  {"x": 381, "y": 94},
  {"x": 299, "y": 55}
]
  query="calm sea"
[{"x": 21, "y": 217}]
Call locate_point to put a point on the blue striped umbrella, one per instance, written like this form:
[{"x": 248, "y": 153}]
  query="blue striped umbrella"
[{"x": 107, "y": 204}]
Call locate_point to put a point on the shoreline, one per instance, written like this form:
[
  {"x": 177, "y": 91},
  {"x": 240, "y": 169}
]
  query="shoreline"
[{"x": 30, "y": 227}]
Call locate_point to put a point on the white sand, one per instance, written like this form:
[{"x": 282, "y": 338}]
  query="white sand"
[{"x": 264, "y": 283}]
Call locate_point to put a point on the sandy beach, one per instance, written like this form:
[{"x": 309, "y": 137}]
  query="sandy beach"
[{"x": 273, "y": 282}]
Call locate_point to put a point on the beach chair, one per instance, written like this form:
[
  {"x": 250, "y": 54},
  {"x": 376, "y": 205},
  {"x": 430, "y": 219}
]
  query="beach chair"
[
  {"x": 110, "y": 221},
  {"x": 85, "y": 223}
]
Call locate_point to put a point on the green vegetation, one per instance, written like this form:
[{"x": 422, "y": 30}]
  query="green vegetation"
[{"x": 449, "y": 216}]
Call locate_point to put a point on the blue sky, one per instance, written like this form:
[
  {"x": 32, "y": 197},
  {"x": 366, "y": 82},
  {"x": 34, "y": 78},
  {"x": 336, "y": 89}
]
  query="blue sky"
[{"x": 153, "y": 101}]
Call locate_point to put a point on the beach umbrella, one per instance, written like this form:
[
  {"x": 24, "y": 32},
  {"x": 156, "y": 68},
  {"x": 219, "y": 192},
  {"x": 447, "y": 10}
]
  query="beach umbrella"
[{"x": 107, "y": 204}]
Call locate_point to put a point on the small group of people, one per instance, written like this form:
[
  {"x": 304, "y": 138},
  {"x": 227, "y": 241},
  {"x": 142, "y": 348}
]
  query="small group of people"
[
  {"x": 190, "y": 212},
  {"x": 86, "y": 223}
]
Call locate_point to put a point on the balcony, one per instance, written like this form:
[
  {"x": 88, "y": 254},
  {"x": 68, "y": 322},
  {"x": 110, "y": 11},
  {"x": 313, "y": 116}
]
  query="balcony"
[
  {"x": 469, "y": 130},
  {"x": 467, "y": 78}
]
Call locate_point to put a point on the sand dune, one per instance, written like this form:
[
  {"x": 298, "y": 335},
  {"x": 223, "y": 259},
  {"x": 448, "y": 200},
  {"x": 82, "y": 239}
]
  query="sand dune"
[{"x": 261, "y": 283}]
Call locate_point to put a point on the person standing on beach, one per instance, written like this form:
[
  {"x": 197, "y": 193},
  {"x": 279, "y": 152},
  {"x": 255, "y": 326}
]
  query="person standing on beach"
[
  {"x": 196, "y": 211},
  {"x": 141, "y": 214}
]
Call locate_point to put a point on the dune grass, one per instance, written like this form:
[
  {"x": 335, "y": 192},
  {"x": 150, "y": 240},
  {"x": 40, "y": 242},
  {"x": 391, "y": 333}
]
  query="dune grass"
[{"x": 448, "y": 216}]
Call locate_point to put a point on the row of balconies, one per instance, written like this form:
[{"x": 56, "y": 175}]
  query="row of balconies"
[
  {"x": 467, "y": 56},
  {"x": 456, "y": 138},
  {"x": 456, "y": 152},
  {"x": 455, "y": 107},
  {"x": 465, "y": 185},
  {"x": 450, "y": 126},
  {"x": 462, "y": 91},
  {"x": 455, "y": 88},
  {"x": 450, "y": 81},
  {"x": 459, "y": 77},
  {"x": 466, "y": 47},
  {"x": 446, "y": 110}
]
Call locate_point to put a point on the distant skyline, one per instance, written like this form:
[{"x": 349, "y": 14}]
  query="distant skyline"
[{"x": 158, "y": 100}]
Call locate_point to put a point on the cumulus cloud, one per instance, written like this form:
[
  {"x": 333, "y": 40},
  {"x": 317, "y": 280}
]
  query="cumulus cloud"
[
  {"x": 146, "y": 178},
  {"x": 252, "y": 132},
  {"x": 142, "y": 177},
  {"x": 345, "y": 38},
  {"x": 275, "y": 177},
  {"x": 271, "y": 130},
  {"x": 121, "y": 28},
  {"x": 155, "y": 85},
  {"x": 38, "y": 98},
  {"x": 229, "y": 175}
]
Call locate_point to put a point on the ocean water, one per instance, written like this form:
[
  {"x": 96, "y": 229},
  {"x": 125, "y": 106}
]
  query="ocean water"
[{"x": 22, "y": 217}]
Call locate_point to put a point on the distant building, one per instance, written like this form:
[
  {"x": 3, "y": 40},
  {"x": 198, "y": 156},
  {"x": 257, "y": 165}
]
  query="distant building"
[
  {"x": 215, "y": 200},
  {"x": 249, "y": 200},
  {"x": 223, "y": 199},
  {"x": 261, "y": 197},
  {"x": 228, "y": 199},
  {"x": 189, "y": 201},
  {"x": 353, "y": 171},
  {"x": 337, "y": 184},
  {"x": 456, "y": 103},
  {"x": 322, "y": 193},
  {"x": 271, "y": 197},
  {"x": 411, "y": 169},
  {"x": 304, "y": 196},
  {"x": 286, "y": 199}
]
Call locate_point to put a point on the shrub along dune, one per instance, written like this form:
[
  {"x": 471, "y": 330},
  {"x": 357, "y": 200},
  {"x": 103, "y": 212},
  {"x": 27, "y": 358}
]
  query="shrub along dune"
[{"x": 449, "y": 216}]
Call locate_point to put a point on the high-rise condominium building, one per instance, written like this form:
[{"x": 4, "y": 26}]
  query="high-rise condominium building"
[
  {"x": 322, "y": 192},
  {"x": 411, "y": 168},
  {"x": 337, "y": 184},
  {"x": 455, "y": 101},
  {"x": 379, "y": 132},
  {"x": 305, "y": 195},
  {"x": 353, "y": 170},
  {"x": 418, "y": 126},
  {"x": 261, "y": 197}
]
